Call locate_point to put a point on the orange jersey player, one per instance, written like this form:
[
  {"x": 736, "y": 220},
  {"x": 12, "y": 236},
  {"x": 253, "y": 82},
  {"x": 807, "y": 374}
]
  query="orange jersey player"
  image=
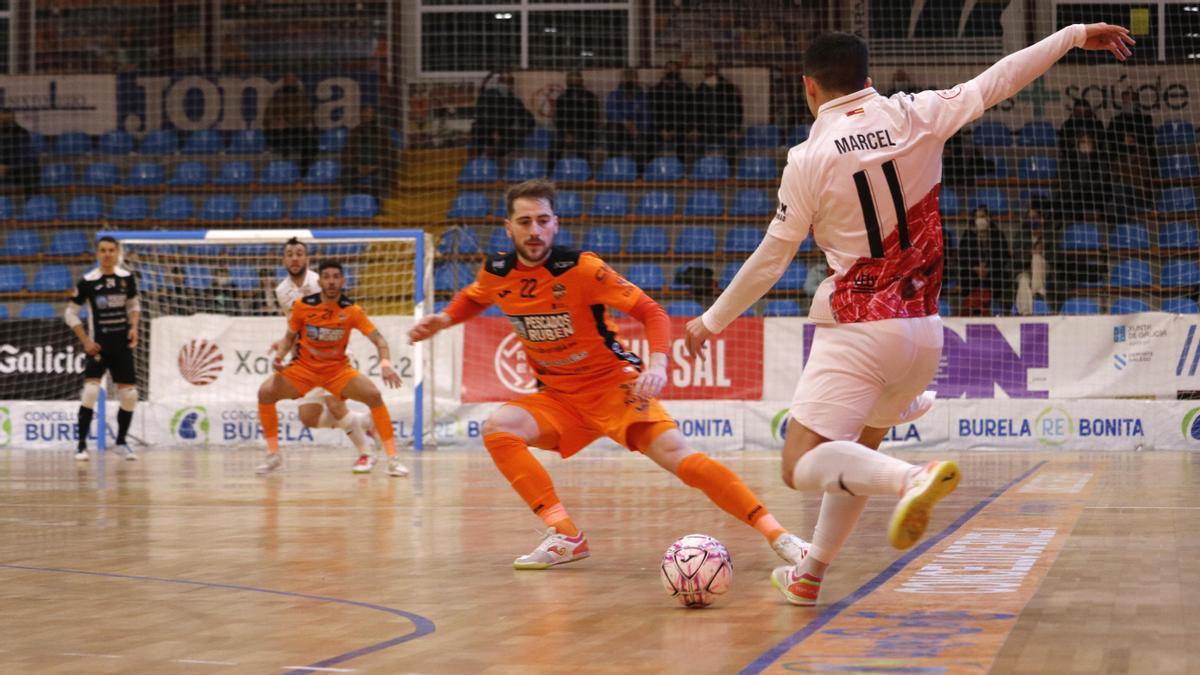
[
  {"x": 322, "y": 322},
  {"x": 557, "y": 301}
]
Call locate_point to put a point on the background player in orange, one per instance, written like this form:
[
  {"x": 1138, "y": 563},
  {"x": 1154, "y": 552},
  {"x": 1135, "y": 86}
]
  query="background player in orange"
[
  {"x": 322, "y": 322},
  {"x": 556, "y": 299}
]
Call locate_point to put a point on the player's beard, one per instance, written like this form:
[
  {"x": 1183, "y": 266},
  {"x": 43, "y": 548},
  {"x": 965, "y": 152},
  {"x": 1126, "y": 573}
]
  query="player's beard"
[{"x": 528, "y": 256}]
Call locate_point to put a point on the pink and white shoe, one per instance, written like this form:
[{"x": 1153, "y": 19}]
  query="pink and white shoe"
[
  {"x": 364, "y": 464},
  {"x": 928, "y": 485},
  {"x": 791, "y": 548},
  {"x": 798, "y": 589},
  {"x": 555, "y": 549}
]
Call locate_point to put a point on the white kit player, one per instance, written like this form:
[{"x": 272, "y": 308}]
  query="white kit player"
[
  {"x": 319, "y": 408},
  {"x": 866, "y": 184}
]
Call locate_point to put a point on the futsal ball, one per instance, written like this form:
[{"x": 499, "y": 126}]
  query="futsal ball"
[{"x": 696, "y": 569}]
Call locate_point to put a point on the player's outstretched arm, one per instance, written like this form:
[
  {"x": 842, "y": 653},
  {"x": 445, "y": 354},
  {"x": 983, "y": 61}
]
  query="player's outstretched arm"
[
  {"x": 390, "y": 377},
  {"x": 658, "y": 334},
  {"x": 281, "y": 348},
  {"x": 428, "y": 326}
]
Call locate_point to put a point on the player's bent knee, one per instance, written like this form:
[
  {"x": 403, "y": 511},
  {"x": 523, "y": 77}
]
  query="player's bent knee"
[
  {"x": 310, "y": 416},
  {"x": 127, "y": 397},
  {"x": 90, "y": 394}
]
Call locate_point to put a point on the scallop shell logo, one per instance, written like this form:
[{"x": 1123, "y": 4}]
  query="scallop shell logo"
[{"x": 200, "y": 362}]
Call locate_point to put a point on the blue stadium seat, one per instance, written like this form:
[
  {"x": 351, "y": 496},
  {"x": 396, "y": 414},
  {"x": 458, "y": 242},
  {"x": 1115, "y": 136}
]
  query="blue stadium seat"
[
  {"x": 69, "y": 243},
  {"x": 1043, "y": 197},
  {"x": 452, "y": 276},
  {"x": 323, "y": 172},
  {"x": 234, "y": 174},
  {"x": 311, "y": 207},
  {"x": 1037, "y": 135},
  {"x": 1177, "y": 166},
  {"x": 173, "y": 208},
  {"x": 264, "y": 207},
  {"x": 247, "y": 142},
  {"x": 72, "y": 143},
  {"x": 646, "y": 276},
  {"x": 12, "y": 278},
  {"x": 656, "y": 203},
  {"x": 498, "y": 241},
  {"x": 501, "y": 210},
  {"x": 1079, "y": 306},
  {"x": 51, "y": 279},
  {"x": 992, "y": 134},
  {"x": 1181, "y": 274},
  {"x": 684, "y": 308},
  {"x": 602, "y": 240},
  {"x": 781, "y": 307},
  {"x": 523, "y": 169},
  {"x": 219, "y": 208},
  {"x": 57, "y": 175},
  {"x": 752, "y": 203},
  {"x": 1180, "y": 306},
  {"x": 798, "y": 134},
  {"x": 243, "y": 277},
  {"x": 205, "y": 250},
  {"x": 469, "y": 205},
  {"x": 703, "y": 204},
  {"x": 1040, "y": 308},
  {"x": 1174, "y": 200},
  {"x": 571, "y": 169},
  {"x": 280, "y": 172},
  {"x": 479, "y": 170},
  {"x": 358, "y": 206},
  {"x": 38, "y": 310},
  {"x": 100, "y": 174},
  {"x": 1129, "y": 235},
  {"x": 757, "y": 167},
  {"x": 1128, "y": 306},
  {"x": 761, "y": 136},
  {"x": 943, "y": 306},
  {"x": 115, "y": 143},
  {"x": 333, "y": 140},
  {"x": 538, "y": 139},
  {"x": 160, "y": 142},
  {"x": 617, "y": 170},
  {"x": 664, "y": 169},
  {"x": 1130, "y": 273},
  {"x": 3, "y": 311},
  {"x": 711, "y": 167},
  {"x": 203, "y": 142},
  {"x": 1081, "y": 237},
  {"x": 1175, "y": 132},
  {"x": 197, "y": 277},
  {"x": 1038, "y": 167},
  {"x": 564, "y": 237},
  {"x": 568, "y": 204},
  {"x": 189, "y": 174},
  {"x": 728, "y": 273},
  {"x": 648, "y": 240},
  {"x": 39, "y": 208},
  {"x": 458, "y": 240},
  {"x": 610, "y": 205},
  {"x": 793, "y": 277},
  {"x": 948, "y": 202},
  {"x": 742, "y": 239},
  {"x": 146, "y": 174},
  {"x": 696, "y": 240},
  {"x": 21, "y": 243},
  {"x": 130, "y": 208},
  {"x": 1178, "y": 235},
  {"x": 994, "y": 166},
  {"x": 994, "y": 199}
]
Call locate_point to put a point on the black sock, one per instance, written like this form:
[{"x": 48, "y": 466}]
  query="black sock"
[
  {"x": 85, "y": 423},
  {"x": 123, "y": 419}
]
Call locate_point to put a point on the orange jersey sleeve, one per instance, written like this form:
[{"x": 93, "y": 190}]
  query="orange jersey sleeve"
[{"x": 360, "y": 320}]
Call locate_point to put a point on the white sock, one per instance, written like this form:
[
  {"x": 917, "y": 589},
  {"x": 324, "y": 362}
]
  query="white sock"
[
  {"x": 352, "y": 424},
  {"x": 839, "y": 514},
  {"x": 846, "y": 467}
]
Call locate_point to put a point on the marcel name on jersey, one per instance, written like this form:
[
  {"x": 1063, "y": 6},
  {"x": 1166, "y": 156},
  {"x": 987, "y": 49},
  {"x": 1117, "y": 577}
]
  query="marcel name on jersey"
[{"x": 868, "y": 141}]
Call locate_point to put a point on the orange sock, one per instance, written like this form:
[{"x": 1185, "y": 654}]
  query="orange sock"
[
  {"x": 725, "y": 489},
  {"x": 529, "y": 478},
  {"x": 383, "y": 426},
  {"x": 268, "y": 417}
]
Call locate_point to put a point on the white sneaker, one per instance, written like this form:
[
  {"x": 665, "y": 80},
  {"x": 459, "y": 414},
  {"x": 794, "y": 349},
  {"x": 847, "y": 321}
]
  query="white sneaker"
[
  {"x": 273, "y": 462},
  {"x": 918, "y": 407},
  {"x": 395, "y": 468},
  {"x": 82, "y": 455},
  {"x": 555, "y": 549},
  {"x": 127, "y": 451},
  {"x": 798, "y": 589},
  {"x": 791, "y": 548},
  {"x": 364, "y": 464},
  {"x": 911, "y": 515}
]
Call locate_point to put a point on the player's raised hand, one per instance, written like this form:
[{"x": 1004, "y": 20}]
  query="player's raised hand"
[
  {"x": 652, "y": 380},
  {"x": 428, "y": 326},
  {"x": 133, "y": 337},
  {"x": 1115, "y": 39},
  {"x": 279, "y": 349},
  {"x": 390, "y": 377},
  {"x": 695, "y": 335}
]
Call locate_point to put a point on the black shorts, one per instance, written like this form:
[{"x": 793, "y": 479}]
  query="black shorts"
[{"x": 117, "y": 359}]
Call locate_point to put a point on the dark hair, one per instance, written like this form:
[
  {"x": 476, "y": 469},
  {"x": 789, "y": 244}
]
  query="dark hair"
[
  {"x": 537, "y": 188},
  {"x": 294, "y": 242},
  {"x": 331, "y": 265},
  {"x": 110, "y": 239},
  {"x": 838, "y": 62}
]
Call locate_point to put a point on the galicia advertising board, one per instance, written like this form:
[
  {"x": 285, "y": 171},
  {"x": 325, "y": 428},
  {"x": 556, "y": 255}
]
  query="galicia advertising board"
[{"x": 40, "y": 359}]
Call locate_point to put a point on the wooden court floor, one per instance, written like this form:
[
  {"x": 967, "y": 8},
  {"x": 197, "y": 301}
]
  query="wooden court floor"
[{"x": 185, "y": 562}]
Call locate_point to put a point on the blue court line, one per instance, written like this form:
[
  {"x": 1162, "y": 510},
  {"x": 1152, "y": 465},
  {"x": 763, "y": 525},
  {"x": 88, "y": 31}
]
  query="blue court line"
[
  {"x": 422, "y": 626},
  {"x": 770, "y": 656}
]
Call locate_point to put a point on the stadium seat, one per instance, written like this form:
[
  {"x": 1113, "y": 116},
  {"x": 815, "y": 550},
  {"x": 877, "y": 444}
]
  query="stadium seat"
[
  {"x": 311, "y": 207},
  {"x": 197, "y": 277},
  {"x": 129, "y": 208},
  {"x": 1178, "y": 235},
  {"x": 204, "y": 250},
  {"x": 664, "y": 170},
  {"x": 1040, "y": 308},
  {"x": 571, "y": 169},
  {"x": 12, "y": 278},
  {"x": 757, "y": 167},
  {"x": 684, "y": 308},
  {"x": 728, "y": 273},
  {"x": 646, "y": 276},
  {"x": 173, "y": 208},
  {"x": 943, "y": 306},
  {"x": 1128, "y": 306},
  {"x": 115, "y": 143},
  {"x": 948, "y": 202},
  {"x": 39, "y": 208},
  {"x": 280, "y": 172},
  {"x": 602, "y": 240},
  {"x": 332, "y": 140},
  {"x": 1129, "y": 236},
  {"x": 538, "y": 139},
  {"x": 1180, "y": 306},
  {"x": 703, "y": 204},
  {"x": 1079, "y": 306},
  {"x": 247, "y": 142},
  {"x": 994, "y": 199},
  {"x": 1081, "y": 237},
  {"x": 469, "y": 205},
  {"x": 1130, "y": 273},
  {"x": 617, "y": 170},
  {"x": 264, "y": 207},
  {"x": 1039, "y": 197},
  {"x": 38, "y": 310},
  {"x": 72, "y": 143},
  {"x": 57, "y": 175},
  {"x": 160, "y": 142},
  {"x": 761, "y": 136},
  {"x": 568, "y": 204},
  {"x": 793, "y": 278},
  {"x": 993, "y": 166},
  {"x": 3, "y": 311},
  {"x": 523, "y": 169},
  {"x": 656, "y": 203},
  {"x": 458, "y": 240},
  {"x": 781, "y": 307},
  {"x": 479, "y": 170},
  {"x": 742, "y": 239},
  {"x": 6, "y": 208},
  {"x": 203, "y": 142},
  {"x": 219, "y": 208},
  {"x": 1037, "y": 135},
  {"x": 189, "y": 174},
  {"x": 564, "y": 237},
  {"x": 501, "y": 210},
  {"x": 711, "y": 167},
  {"x": 1037, "y": 167},
  {"x": 752, "y": 203},
  {"x": 69, "y": 243},
  {"x": 234, "y": 174},
  {"x": 1175, "y": 132},
  {"x": 498, "y": 241},
  {"x": 696, "y": 240},
  {"x": 798, "y": 134},
  {"x": 1181, "y": 274},
  {"x": 648, "y": 240},
  {"x": 358, "y": 206},
  {"x": 22, "y": 243},
  {"x": 323, "y": 172},
  {"x": 449, "y": 276},
  {"x": 100, "y": 174},
  {"x": 610, "y": 205},
  {"x": 1177, "y": 166},
  {"x": 1174, "y": 200},
  {"x": 146, "y": 174},
  {"x": 243, "y": 278},
  {"x": 51, "y": 279},
  {"x": 992, "y": 134}
]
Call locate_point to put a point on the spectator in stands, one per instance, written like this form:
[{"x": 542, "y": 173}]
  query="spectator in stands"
[
  {"x": 576, "y": 120},
  {"x": 1031, "y": 253},
  {"x": 501, "y": 120},
  {"x": 1084, "y": 182},
  {"x": 18, "y": 161},
  {"x": 671, "y": 102},
  {"x": 1082, "y": 122},
  {"x": 719, "y": 111},
  {"x": 1132, "y": 136},
  {"x": 962, "y": 163},
  {"x": 699, "y": 282},
  {"x": 288, "y": 123},
  {"x": 985, "y": 266},
  {"x": 627, "y": 109},
  {"x": 367, "y": 158},
  {"x": 1131, "y": 129}
]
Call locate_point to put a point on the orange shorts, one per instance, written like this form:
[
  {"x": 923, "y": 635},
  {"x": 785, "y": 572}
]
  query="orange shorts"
[
  {"x": 580, "y": 418},
  {"x": 332, "y": 379}
]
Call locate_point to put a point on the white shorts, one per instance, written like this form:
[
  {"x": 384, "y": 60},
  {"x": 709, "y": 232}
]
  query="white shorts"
[
  {"x": 314, "y": 395},
  {"x": 866, "y": 374}
]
